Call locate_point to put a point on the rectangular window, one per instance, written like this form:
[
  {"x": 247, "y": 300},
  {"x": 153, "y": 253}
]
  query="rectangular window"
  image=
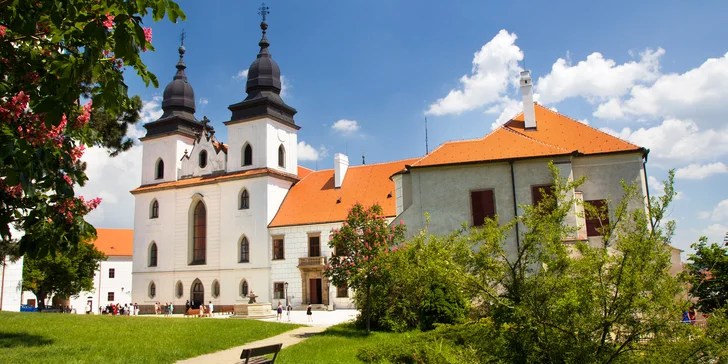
[
  {"x": 538, "y": 196},
  {"x": 278, "y": 248},
  {"x": 483, "y": 206},
  {"x": 342, "y": 291},
  {"x": 112, "y": 272},
  {"x": 594, "y": 223},
  {"x": 314, "y": 246},
  {"x": 110, "y": 296},
  {"x": 278, "y": 289}
]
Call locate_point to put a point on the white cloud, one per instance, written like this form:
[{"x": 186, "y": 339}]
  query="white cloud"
[
  {"x": 151, "y": 110},
  {"x": 657, "y": 189},
  {"x": 241, "y": 75},
  {"x": 507, "y": 108},
  {"x": 716, "y": 232},
  {"x": 720, "y": 212},
  {"x": 306, "y": 152},
  {"x": 597, "y": 77},
  {"x": 611, "y": 109},
  {"x": 345, "y": 127},
  {"x": 697, "y": 171},
  {"x": 204, "y": 101},
  {"x": 698, "y": 94},
  {"x": 677, "y": 141},
  {"x": 495, "y": 66}
]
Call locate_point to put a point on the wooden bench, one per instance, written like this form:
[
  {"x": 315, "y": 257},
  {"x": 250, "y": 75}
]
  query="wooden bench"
[
  {"x": 255, "y": 355},
  {"x": 195, "y": 312}
]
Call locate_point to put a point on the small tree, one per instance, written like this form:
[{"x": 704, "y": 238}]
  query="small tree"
[
  {"x": 707, "y": 273},
  {"x": 358, "y": 245},
  {"x": 62, "y": 274}
]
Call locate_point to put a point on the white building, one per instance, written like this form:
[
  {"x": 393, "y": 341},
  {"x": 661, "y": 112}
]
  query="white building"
[
  {"x": 11, "y": 284},
  {"x": 112, "y": 281},
  {"x": 214, "y": 222}
]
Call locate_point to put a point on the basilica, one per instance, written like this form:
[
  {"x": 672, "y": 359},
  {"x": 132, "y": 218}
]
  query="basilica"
[{"x": 215, "y": 222}]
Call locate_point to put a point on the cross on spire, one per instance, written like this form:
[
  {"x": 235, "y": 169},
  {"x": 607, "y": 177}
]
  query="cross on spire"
[
  {"x": 263, "y": 11},
  {"x": 182, "y": 38}
]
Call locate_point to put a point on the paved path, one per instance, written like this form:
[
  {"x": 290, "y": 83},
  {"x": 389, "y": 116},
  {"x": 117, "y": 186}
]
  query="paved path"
[{"x": 322, "y": 320}]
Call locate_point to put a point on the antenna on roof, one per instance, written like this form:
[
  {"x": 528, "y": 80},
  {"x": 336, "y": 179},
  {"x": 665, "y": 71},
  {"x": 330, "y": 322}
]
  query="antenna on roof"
[
  {"x": 363, "y": 161},
  {"x": 427, "y": 147}
]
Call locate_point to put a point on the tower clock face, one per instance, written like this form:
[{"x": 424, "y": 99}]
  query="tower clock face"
[{"x": 282, "y": 135}]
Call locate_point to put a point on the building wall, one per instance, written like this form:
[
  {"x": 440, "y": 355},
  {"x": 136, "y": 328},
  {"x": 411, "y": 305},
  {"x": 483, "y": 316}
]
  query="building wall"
[
  {"x": 120, "y": 285},
  {"x": 170, "y": 149},
  {"x": 265, "y": 136},
  {"x": 296, "y": 247},
  {"x": 444, "y": 192},
  {"x": 12, "y": 283}
]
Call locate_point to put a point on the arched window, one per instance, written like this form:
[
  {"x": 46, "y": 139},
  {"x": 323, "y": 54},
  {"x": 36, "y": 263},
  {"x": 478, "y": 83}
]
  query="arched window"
[
  {"x": 281, "y": 156},
  {"x": 154, "y": 210},
  {"x": 244, "y": 288},
  {"x": 152, "y": 290},
  {"x": 203, "y": 159},
  {"x": 244, "y": 200},
  {"x": 199, "y": 233},
  {"x": 180, "y": 289},
  {"x": 198, "y": 293},
  {"x": 215, "y": 289},
  {"x": 247, "y": 155},
  {"x": 153, "y": 255},
  {"x": 160, "y": 169},
  {"x": 244, "y": 250}
]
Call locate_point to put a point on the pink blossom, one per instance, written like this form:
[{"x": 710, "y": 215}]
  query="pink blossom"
[
  {"x": 401, "y": 222},
  {"x": 109, "y": 22},
  {"x": 2, "y": 30},
  {"x": 91, "y": 204},
  {"x": 85, "y": 116},
  {"x": 68, "y": 179},
  {"x": 15, "y": 191},
  {"x": 148, "y": 34},
  {"x": 77, "y": 152}
]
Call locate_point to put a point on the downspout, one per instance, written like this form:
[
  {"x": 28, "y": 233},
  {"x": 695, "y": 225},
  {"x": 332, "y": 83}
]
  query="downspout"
[
  {"x": 515, "y": 206},
  {"x": 98, "y": 290},
  {"x": 647, "y": 185}
]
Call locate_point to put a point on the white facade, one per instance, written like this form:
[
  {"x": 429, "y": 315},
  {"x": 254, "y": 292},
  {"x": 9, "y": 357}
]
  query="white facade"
[
  {"x": 104, "y": 284},
  {"x": 265, "y": 136},
  {"x": 12, "y": 284}
]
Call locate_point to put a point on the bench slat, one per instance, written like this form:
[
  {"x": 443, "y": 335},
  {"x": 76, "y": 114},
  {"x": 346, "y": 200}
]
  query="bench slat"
[{"x": 252, "y": 353}]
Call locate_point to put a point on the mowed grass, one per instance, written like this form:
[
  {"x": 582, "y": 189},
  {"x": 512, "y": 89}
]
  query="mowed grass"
[
  {"x": 338, "y": 344},
  {"x": 63, "y": 338}
]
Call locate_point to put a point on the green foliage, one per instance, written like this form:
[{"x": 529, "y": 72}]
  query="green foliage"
[
  {"x": 707, "y": 273},
  {"x": 113, "y": 128},
  {"x": 62, "y": 274},
  {"x": 54, "y": 54},
  {"x": 360, "y": 244}
]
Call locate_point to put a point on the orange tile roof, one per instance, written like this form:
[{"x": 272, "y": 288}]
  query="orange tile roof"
[
  {"x": 555, "y": 134},
  {"x": 303, "y": 171},
  {"x": 213, "y": 179},
  {"x": 115, "y": 242},
  {"x": 314, "y": 199}
]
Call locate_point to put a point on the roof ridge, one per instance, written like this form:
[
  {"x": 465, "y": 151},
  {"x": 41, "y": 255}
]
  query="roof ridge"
[
  {"x": 533, "y": 139},
  {"x": 126, "y": 229},
  {"x": 588, "y": 126}
]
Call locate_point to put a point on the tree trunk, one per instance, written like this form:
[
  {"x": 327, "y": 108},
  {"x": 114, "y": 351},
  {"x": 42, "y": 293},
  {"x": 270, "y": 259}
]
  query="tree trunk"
[
  {"x": 40, "y": 296},
  {"x": 369, "y": 306}
]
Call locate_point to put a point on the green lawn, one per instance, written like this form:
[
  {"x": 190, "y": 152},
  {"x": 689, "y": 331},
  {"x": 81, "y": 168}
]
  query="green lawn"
[
  {"x": 62, "y": 338},
  {"x": 338, "y": 344}
]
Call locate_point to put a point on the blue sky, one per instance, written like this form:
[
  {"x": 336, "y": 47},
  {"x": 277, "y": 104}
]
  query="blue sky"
[{"x": 652, "y": 72}]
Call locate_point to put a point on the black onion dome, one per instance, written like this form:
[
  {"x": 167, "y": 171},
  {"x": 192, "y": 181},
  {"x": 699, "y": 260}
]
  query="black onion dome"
[
  {"x": 178, "y": 95},
  {"x": 264, "y": 75}
]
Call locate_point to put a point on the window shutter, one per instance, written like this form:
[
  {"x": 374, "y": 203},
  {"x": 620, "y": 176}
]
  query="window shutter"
[
  {"x": 489, "y": 203},
  {"x": 476, "y": 201},
  {"x": 592, "y": 222}
]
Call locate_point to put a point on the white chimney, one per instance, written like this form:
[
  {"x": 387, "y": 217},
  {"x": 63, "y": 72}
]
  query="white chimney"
[
  {"x": 529, "y": 113},
  {"x": 341, "y": 164}
]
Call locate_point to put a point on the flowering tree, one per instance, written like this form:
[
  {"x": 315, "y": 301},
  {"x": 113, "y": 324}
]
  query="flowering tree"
[
  {"x": 61, "y": 61},
  {"x": 359, "y": 244}
]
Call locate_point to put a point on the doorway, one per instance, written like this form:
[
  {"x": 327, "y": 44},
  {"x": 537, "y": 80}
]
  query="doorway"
[
  {"x": 198, "y": 294},
  {"x": 315, "y": 291}
]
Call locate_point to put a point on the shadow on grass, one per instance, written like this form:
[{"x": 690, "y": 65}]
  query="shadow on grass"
[
  {"x": 346, "y": 331},
  {"x": 11, "y": 340}
]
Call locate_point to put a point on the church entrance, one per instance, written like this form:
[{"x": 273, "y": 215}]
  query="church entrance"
[
  {"x": 315, "y": 291},
  {"x": 198, "y": 294}
]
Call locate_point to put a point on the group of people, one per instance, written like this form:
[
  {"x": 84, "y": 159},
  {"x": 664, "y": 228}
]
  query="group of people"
[
  {"x": 117, "y": 309},
  {"x": 689, "y": 316},
  {"x": 210, "y": 307},
  {"x": 289, "y": 308},
  {"x": 163, "y": 309}
]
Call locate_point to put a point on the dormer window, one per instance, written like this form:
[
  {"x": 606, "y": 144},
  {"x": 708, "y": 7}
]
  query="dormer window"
[
  {"x": 247, "y": 155},
  {"x": 160, "y": 169},
  {"x": 281, "y": 156},
  {"x": 203, "y": 159}
]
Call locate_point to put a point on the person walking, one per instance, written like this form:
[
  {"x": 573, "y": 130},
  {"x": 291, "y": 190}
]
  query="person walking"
[
  {"x": 289, "y": 308},
  {"x": 279, "y": 314},
  {"x": 187, "y": 306},
  {"x": 309, "y": 313},
  {"x": 211, "y": 308}
]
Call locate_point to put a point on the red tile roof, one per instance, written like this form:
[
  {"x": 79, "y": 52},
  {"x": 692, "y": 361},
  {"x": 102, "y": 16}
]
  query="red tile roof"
[
  {"x": 555, "y": 134},
  {"x": 115, "y": 242},
  {"x": 303, "y": 171},
  {"x": 314, "y": 199}
]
